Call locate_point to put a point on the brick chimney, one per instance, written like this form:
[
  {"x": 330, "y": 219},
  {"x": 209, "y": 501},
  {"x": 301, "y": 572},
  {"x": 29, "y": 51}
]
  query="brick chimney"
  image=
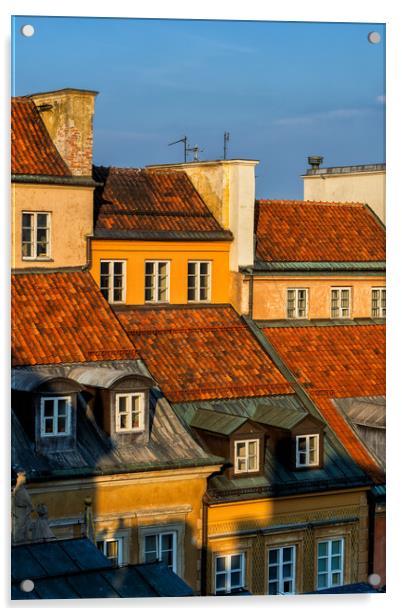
[{"x": 67, "y": 115}]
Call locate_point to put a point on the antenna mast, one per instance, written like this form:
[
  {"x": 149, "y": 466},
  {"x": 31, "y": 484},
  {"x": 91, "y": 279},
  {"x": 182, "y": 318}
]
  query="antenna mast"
[
  {"x": 226, "y": 137},
  {"x": 184, "y": 141}
]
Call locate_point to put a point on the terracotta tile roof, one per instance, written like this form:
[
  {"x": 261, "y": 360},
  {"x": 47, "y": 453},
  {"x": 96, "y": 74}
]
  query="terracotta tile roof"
[
  {"x": 341, "y": 361},
  {"x": 32, "y": 150},
  {"x": 317, "y": 231},
  {"x": 62, "y": 317},
  {"x": 202, "y": 353},
  {"x": 149, "y": 200}
]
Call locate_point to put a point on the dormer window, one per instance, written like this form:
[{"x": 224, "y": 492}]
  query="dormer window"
[
  {"x": 55, "y": 416},
  {"x": 307, "y": 450},
  {"x": 246, "y": 458},
  {"x": 130, "y": 412}
]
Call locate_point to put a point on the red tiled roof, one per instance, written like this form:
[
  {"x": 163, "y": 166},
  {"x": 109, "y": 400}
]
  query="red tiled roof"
[
  {"x": 62, "y": 317},
  {"x": 336, "y": 362},
  {"x": 150, "y": 200},
  {"x": 202, "y": 353},
  {"x": 317, "y": 231},
  {"x": 32, "y": 150}
]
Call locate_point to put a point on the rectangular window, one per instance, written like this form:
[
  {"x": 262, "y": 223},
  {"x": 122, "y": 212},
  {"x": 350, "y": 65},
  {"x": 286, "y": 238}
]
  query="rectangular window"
[
  {"x": 246, "y": 456},
  {"x": 113, "y": 281},
  {"x": 35, "y": 235},
  {"x": 157, "y": 281},
  {"x": 282, "y": 570},
  {"x": 378, "y": 303},
  {"x": 129, "y": 412},
  {"x": 297, "y": 303},
  {"x": 55, "y": 416},
  {"x": 199, "y": 281},
  {"x": 329, "y": 563},
  {"x": 113, "y": 549},
  {"x": 307, "y": 453},
  {"x": 229, "y": 573},
  {"x": 340, "y": 303},
  {"x": 162, "y": 547}
]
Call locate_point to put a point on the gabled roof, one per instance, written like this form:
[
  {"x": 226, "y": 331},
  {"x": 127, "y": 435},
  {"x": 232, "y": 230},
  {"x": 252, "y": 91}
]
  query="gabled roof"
[
  {"x": 32, "y": 150},
  {"x": 150, "y": 203},
  {"x": 62, "y": 317},
  {"x": 309, "y": 231},
  {"x": 341, "y": 361},
  {"x": 201, "y": 353}
]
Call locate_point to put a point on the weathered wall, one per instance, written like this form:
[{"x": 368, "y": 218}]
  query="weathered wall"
[
  {"x": 71, "y": 221},
  {"x": 135, "y": 253},
  {"x": 359, "y": 187},
  {"x": 270, "y": 295}
]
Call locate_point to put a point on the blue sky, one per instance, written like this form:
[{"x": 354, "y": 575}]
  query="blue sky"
[{"x": 283, "y": 90}]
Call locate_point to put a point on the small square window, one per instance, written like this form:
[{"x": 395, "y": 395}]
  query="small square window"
[
  {"x": 161, "y": 547},
  {"x": 246, "y": 458},
  {"x": 297, "y": 303},
  {"x": 35, "y": 235},
  {"x": 330, "y": 558},
  {"x": 229, "y": 573},
  {"x": 340, "y": 303},
  {"x": 130, "y": 409},
  {"x": 282, "y": 570},
  {"x": 157, "y": 275},
  {"x": 113, "y": 281},
  {"x": 307, "y": 450},
  {"x": 55, "y": 416},
  {"x": 198, "y": 281},
  {"x": 378, "y": 303}
]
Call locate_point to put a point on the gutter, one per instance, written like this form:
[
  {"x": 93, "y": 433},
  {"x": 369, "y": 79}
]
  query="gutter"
[{"x": 25, "y": 178}]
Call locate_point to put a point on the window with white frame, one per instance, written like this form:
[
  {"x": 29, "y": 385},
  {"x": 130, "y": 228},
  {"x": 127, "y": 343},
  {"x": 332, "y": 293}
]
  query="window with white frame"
[
  {"x": 162, "y": 547},
  {"x": 246, "y": 458},
  {"x": 130, "y": 412},
  {"x": 113, "y": 281},
  {"x": 307, "y": 452},
  {"x": 282, "y": 570},
  {"x": 340, "y": 303},
  {"x": 297, "y": 303},
  {"x": 112, "y": 548},
  {"x": 330, "y": 556},
  {"x": 229, "y": 572},
  {"x": 378, "y": 303},
  {"x": 35, "y": 235},
  {"x": 199, "y": 281},
  {"x": 55, "y": 416},
  {"x": 157, "y": 281}
]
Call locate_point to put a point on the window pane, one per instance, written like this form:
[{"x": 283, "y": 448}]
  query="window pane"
[
  {"x": 273, "y": 588},
  {"x": 236, "y": 562},
  {"x": 123, "y": 422},
  {"x": 288, "y": 586},
  {"x": 42, "y": 221},
  {"x": 252, "y": 448},
  {"x": 287, "y": 570},
  {"x": 151, "y": 551},
  {"x": 252, "y": 463},
  {"x": 117, "y": 295},
  {"x": 167, "y": 542},
  {"x": 287, "y": 554},
  {"x": 61, "y": 425},
  {"x": 235, "y": 579},
  {"x": 336, "y": 562},
  {"x": 118, "y": 268},
  {"x": 122, "y": 404},
  {"x": 323, "y": 548},
  {"x": 273, "y": 556},
  {"x": 322, "y": 580},
  {"x": 62, "y": 408},
  {"x": 302, "y": 444},
  {"x": 27, "y": 250},
  {"x": 48, "y": 408},
  {"x": 241, "y": 449},
  {"x": 322, "y": 564},
  {"x": 204, "y": 268},
  {"x": 49, "y": 425},
  {"x": 220, "y": 563},
  {"x": 191, "y": 269},
  {"x": 336, "y": 547},
  {"x": 336, "y": 579},
  {"x": 220, "y": 581},
  {"x": 104, "y": 267}
]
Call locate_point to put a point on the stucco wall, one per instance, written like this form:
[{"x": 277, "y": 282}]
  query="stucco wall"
[
  {"x": 359, "y": 187},
  {"x": 270, "y": 295},
  {"x": 71, "y": 221}
]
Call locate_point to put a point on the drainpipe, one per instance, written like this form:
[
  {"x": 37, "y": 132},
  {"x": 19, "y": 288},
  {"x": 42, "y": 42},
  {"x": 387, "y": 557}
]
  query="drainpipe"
[{"x": 204, "y": 546}]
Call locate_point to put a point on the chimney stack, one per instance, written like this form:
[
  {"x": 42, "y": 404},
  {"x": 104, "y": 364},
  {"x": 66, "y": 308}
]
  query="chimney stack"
[
  {"x": 67, "y": 115},
  {"x": 315, "y": 161}
]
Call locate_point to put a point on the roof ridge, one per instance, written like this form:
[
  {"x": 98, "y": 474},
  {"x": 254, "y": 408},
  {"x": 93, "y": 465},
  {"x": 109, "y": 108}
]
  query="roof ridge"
[{"x": 309, "y": 202}]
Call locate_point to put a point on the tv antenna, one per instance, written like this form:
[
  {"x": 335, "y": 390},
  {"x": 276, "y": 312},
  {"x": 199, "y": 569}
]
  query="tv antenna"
[
  {"x": 195, "y": 150},
  {"x": 226, "y": 138},
  {"x": 184, "y": 141}
]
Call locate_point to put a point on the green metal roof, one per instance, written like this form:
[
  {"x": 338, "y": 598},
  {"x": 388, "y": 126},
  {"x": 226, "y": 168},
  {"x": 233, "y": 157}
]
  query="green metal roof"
[
  {"x": 214, "y": 421},
  {"x": 318, "y": 266},
  {"x": 278, "y": 416}
]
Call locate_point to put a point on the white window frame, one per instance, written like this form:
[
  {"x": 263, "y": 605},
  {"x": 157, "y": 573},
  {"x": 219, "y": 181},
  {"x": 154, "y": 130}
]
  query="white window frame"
[
  {"x": 120, "y": 547},
  {"x": 281, "y": 579},
  {"x": 296, "y": 291},
  {"x": 159, "y": 535},
  {"x": 339, "y": 308},
  {"x": 307, "y": 451},
  {"x": 34, "y": 241},
  {"x": 382, "y": 309},
  {"x": 228, "y": 588},
  {"x": 197, "y": 275},
  {"x": 130, "y": 395},
  {"x": 156, "y": 291},
  {"x": 329, "y": 572},
  {"x": 246, "y": 457},
  {"x": 55, "y": 400},
  {"x": 110, "y": 275}
]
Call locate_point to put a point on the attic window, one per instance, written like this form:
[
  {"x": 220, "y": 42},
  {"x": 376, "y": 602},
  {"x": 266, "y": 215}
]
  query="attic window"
[
  {"x": 55, "y": 416},
  {"x": 130, "y": 412},
  {"x": 307, "y": 453},
  {"x": 246, "y": 456}
]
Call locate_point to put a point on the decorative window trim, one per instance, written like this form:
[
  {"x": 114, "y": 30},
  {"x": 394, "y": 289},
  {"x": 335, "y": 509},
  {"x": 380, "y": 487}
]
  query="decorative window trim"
[
  {"x": 282, "y": 579},
  {"x": 110, "y": 289},
  {"x": 34, "y": 242},
  {"x": 227, "y": 571},
  {"x": 247, "y": 455},
  {"x": 54, "y": 433},
  {"x": 297, "y": 311},
  {"x": 329, "y": 572},
  {"x": 129, "y": 411},
  {"x": 307, "y": 451},
  {"x": 178, "y": 533},
  {"x": 381, "y": 307},
  {"x": 338, "y": 308},
  {"x": 156, "y": 291},
  {"x": 197, "y": 276}
]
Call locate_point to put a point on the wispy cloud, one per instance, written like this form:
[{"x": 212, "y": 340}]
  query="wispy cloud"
[{"x": 331, "y": 114}]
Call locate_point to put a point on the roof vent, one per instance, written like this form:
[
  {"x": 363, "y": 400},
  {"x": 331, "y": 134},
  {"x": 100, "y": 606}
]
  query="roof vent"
[{"x": 315, "y": 161}]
